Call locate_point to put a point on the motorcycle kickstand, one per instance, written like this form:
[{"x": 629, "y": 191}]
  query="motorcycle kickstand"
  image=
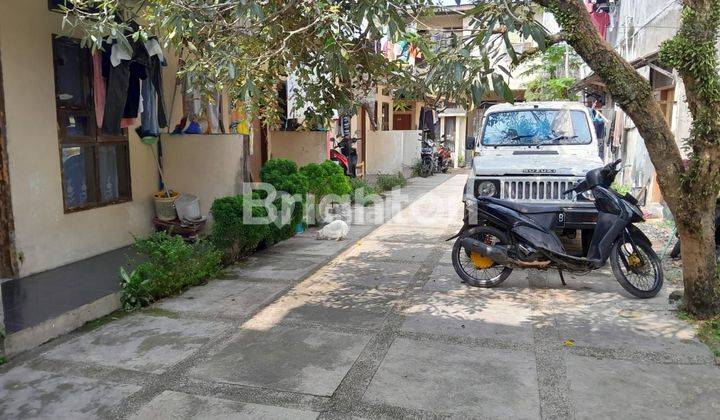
[{"x": 562, "y": 278}]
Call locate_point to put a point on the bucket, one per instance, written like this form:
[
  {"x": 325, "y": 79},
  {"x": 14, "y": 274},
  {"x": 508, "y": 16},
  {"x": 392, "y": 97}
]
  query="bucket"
[
  {"x": 165, "y": 206},
  {"x": 188, "y": 207}
]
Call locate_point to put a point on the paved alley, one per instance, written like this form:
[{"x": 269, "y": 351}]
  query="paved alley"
[{"x": 377, "y": 325}]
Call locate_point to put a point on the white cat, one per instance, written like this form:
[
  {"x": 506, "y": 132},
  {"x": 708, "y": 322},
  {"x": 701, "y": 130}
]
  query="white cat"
[{"x": 336, "y": 230}]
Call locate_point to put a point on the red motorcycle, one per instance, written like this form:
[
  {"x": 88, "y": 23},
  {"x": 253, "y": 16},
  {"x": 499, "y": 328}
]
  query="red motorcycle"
[
  {"x": 345, "y": 154},
  {"x": 444, "y": 156}
]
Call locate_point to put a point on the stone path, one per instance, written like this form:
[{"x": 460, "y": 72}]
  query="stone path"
[{"x": 377, "y": 326}]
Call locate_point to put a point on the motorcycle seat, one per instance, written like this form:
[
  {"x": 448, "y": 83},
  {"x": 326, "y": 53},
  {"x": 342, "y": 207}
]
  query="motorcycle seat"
[{"x": 525, "y": 208}]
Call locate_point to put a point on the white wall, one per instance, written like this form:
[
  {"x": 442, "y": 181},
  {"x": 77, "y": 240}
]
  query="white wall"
[
  {"x": 392, "y": 151},
  {"x": 207, "y": 166},
  {"x": 303, "y": 147},
  {"x": 45, "y": 235}
]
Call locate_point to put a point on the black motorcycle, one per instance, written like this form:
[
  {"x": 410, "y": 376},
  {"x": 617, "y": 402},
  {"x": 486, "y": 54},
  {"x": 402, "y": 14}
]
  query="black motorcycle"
[
  {"x": 516, "y": 235},
  {"x": 428, "y": 157}
]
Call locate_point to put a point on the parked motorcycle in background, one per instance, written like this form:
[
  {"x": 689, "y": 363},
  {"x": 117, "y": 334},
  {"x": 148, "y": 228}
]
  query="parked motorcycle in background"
[
  {"x": 428, "y": 158},
  {"x": 344, "y": 152},
  {"x": 444, "y": 156}
]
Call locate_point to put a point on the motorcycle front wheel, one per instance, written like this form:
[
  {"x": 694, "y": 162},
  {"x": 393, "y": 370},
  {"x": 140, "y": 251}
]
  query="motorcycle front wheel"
[
  {"x": 637, "y": 268},
  {"x": 426, "y": 168},
  {"x": 474, "y": 269}
]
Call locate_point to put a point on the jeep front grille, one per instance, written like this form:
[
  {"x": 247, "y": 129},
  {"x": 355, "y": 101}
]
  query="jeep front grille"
[{"x": 534, "y": 189}]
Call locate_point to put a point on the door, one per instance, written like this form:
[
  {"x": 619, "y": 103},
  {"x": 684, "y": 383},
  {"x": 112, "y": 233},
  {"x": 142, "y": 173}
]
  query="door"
[
  {"x": 8, "y": 264},
  {"x": 402, "y": 121}
]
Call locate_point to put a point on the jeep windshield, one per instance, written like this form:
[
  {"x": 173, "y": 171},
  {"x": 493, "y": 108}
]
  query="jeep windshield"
[{"x": 536, "y": 127}]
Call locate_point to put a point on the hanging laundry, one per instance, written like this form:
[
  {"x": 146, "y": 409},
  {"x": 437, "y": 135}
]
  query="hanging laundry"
[
  {"x": 213, "y": 115},
  {"x": 122, "y": 98},
  {"x": 238, "y": 119},
  {"x": 98, "y": 88},
  {"x": 152, "y": 112}
]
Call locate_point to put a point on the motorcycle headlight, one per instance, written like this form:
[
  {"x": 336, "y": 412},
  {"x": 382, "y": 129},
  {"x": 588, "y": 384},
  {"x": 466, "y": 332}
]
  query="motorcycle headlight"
[{"x": 486, "y": 189}]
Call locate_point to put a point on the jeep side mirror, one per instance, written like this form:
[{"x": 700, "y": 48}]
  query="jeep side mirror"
[{"x": 469, "y": 143}]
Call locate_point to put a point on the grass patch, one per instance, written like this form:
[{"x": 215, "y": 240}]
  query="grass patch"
[
  {"x": 97, "y": 323},
  {"x": 160, "y": 312},
  {"x": 386, "y": 182},
  {"x": 708, "y": 331}
]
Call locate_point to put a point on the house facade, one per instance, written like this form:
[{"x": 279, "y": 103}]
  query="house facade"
[
  {"x": 636, "y": 29},
  {"x": 74, "y": 196}
]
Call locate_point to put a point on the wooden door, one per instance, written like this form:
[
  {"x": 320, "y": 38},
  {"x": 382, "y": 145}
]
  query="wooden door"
[
  {"x": 8, "y": 263},
  {"x": 402, "y": 122}
]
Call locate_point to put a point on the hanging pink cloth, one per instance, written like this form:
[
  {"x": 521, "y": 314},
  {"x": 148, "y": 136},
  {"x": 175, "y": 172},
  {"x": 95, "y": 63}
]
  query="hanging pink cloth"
[
  {"x": 599, "y": 18},
  {"x": 98, "y": 88}
]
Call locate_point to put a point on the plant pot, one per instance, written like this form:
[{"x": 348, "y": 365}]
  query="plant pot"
[{"x": 165, "y": 206}]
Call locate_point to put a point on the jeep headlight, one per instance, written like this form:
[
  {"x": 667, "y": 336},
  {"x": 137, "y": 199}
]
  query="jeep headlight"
[
  {"x": 587, "y": 195},
  {"x": 486, "y": 189}
]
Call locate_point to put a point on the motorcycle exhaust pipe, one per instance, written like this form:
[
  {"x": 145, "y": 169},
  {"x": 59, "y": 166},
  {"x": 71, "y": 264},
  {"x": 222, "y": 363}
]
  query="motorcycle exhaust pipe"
[
  {"x": 499, "y": 255},
  {"x": 496, "y": 254}
]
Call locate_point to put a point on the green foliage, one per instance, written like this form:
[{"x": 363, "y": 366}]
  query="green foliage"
[
  {"x": 230, "y": 233},
  {"x": 283, "y": 175},
  {"x": 362, "y": 193},
  {"x": 324, "y": 179},
  {"x": 416, "y": 168},
  {"x": 386, "y": 182},
  {"x": 555, "y": 89},
  {"x": 135, "y": 290},
  {"x": 170, "y": 265},
  {"x": 620, "y": 188}
]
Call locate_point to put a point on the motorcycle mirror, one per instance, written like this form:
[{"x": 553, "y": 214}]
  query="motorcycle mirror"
[{"x": 470, "y": 143}]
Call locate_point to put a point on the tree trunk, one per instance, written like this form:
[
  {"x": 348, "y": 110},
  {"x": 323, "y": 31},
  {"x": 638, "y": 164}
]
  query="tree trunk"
[
  {"x": 697, "y": 239},
  {"x": 689, "y": 201}
]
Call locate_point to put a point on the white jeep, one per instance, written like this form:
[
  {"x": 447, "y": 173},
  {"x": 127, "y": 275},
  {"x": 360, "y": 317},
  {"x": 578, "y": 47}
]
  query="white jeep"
[{"x": 531, "y": 152}]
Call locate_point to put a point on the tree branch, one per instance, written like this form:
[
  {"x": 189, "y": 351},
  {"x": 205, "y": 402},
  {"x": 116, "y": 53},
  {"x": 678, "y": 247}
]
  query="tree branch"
[{"x": 551, "y": 39}]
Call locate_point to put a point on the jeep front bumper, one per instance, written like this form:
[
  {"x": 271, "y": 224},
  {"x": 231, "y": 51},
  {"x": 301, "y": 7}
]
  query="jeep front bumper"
[{"x": 570, "y": 216}]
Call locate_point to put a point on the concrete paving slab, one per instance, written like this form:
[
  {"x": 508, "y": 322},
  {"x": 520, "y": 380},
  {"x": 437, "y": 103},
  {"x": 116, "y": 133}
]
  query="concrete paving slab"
[
  {"x": 497, "y": 316},
  {"x": 330, "y": 302},
  {"x": 29, "y": 393},
  {"x": 607, "y": 325},
  {"x": 274, "y": 266},
  {"x": 307, "y": 246},
  {"x": 410, "y": 234},
  {"x": 388, "y": 275},
  {"x": 458, "y": 380},
  {"x": 228, "y": 298},
  {"x": 289, "y": 359},
  {"x": 371, "y": 251},
  {"x": 139, "y": 342},
  {"x": 444, "y": 279},
  {"x": 622, "y": 389},
  {"x": 172, "y": 405}
]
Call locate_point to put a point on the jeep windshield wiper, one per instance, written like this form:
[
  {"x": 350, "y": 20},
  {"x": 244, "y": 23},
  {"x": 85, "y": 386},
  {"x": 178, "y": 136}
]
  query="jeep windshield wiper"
[
  {"x": 560, "y": 138},
  {"x": 519, "y": 137}
]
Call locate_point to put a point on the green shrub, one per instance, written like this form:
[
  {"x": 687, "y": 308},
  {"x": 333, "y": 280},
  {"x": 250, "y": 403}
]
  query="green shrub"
[
  {"x": 170, "y": 266},
  {"x": 362, "y": 193},
  {"x": 386, "y": 182},
  {"x": 416, "y": 168},
  {"x": 324, "y": 179},
  {"x": 274, "y": 171},
  {"x": 230, "y": 234},
  {"x": 135, "y": 290}
]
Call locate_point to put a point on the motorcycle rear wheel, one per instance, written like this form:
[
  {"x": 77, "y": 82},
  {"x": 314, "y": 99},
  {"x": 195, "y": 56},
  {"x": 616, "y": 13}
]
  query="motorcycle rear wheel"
[
  {"x": 637, "y": 268},
  {"x": 466, "y": 268}
]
